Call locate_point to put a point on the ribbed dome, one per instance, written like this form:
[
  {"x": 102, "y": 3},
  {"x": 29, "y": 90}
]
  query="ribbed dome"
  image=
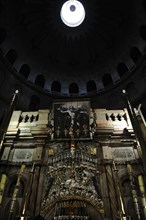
[
  {"x": 97, "y": 59},
  {"x": 99, "y": 39}
]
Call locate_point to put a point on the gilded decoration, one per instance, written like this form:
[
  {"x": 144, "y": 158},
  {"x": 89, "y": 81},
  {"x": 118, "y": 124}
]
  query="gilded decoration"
[{"x": 73, "y": 175}]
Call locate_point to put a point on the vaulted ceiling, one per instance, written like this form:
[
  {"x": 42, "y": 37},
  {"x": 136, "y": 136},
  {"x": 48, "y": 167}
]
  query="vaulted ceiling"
[{"x": 47, "y": 60}]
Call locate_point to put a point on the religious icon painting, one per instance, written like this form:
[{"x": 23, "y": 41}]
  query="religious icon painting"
[{"x": 71, "y": 120}]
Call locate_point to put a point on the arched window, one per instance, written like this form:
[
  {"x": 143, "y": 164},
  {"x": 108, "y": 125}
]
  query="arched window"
[
  {"x": 34, "y": 103},
  {"x": 56, "y": 86},
  {"x": 73, "y": 88},
  {"x": 11, "y": 56},
  {"x": 3, "y": 35},
  {"x": 122, "y": 69},
  {"x": 40, "y": 81},
  {"x": 91, "y": 86},
  {"x": 142, "y": 32},
  {"x": 107, "y": 80},
  {"x": 135, "y": 54},
  {"x": 25, "y": 70}
]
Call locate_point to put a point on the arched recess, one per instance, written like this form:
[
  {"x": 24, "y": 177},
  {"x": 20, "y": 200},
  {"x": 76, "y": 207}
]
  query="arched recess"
[
  {"x": 122, "y": 69},
  {"x": 126, "y": 182},
  {"x": 107, "y": 80},
  {"x": 40, "y": 81},
  {"x": 142, "y": 32},
  {"x": 12, "y": 186},
  {"x": 11, "y": 56},
  {"x": 25, "y": 70},
  {"x": 91, "y": 86},
  {"x": 73, "y": 88},
  {"x": 3, "y": 34},
  {"x": 56, "y": 86},
  {"x": 135, "y": 54},
  {"x": 9, "y": 190},
  {"x": 34, "y": 103},
  {"x": 126, "y": 187}
]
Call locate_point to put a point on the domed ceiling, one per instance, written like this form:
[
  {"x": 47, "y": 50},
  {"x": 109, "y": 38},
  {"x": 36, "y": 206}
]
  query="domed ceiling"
[{"x": 45, "y": 59}]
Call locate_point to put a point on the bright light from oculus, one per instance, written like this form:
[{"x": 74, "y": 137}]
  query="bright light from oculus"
[{"x": 72, "y": 13}]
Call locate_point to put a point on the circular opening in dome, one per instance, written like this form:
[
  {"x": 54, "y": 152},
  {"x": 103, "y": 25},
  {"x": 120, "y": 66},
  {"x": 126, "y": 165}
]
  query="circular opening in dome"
[
  {"x": 72, "y": 8},
  {"x": 72, "y": 13}
]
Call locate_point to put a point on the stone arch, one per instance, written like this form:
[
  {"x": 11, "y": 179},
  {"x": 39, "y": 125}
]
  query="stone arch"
[
  {"x": 56, "y": 86},
  {"x": 73, "y": 88},
  {"x": 11, "y": 56},
  {"x": 122, "y": 69},
  {"x": 107, "y": 80},
  {"x": 91, "y": 86},
  {"x": 135, "y": 54},
  {"x": 25, "y": 70},
  {"x": 3, "y": 34},
  {"x": 40, "y": 81},
  {"x": 34, "y": 103}
]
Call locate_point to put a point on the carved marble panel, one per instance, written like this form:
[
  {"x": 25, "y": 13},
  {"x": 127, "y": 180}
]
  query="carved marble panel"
[
  {"x": 23, "y": 155},
  {"x": 123, "y": 153}
]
